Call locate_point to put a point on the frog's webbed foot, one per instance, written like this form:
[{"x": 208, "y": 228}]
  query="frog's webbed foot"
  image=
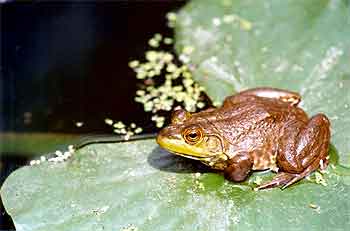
[
  {"x": 282, "y": 179},
  {"x": 286, "y": 179}
]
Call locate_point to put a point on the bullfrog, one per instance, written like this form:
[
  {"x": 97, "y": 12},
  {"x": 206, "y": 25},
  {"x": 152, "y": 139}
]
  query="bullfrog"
[{"x": 256, "y": 129}]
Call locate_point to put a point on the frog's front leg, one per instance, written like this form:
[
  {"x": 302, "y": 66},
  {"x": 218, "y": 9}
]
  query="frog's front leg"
[
  {"x": 302, "y": 150},
  {"x": 290, "y": 97},
  {"x": 238, "y": 167}
]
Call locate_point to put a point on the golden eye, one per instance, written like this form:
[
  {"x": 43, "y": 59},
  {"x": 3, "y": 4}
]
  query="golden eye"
[{"x": 193, "y": 135}]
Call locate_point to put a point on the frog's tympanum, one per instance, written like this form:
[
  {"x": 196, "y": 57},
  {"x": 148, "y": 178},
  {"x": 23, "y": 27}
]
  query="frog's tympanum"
[{"x": 257, "y": 129}]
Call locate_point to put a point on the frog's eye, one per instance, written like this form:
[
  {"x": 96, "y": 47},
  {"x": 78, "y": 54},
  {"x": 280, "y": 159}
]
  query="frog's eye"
[
  {"x": 193, "y": 135},
  {"x": 179, "y": 115}
]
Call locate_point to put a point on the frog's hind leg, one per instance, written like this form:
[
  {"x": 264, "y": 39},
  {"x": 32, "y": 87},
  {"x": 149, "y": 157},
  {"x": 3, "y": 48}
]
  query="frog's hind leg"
[
  {"x": 282, "y": 178},
  {"x": 314, "y": 166},
  {"x": 286, "y": 179},
  {"x": 308, "y": 148},
  {"x": 302, "y": 151}
]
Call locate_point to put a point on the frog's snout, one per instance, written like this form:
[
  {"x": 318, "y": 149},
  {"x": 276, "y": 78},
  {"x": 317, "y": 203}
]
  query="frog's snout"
[
  {"x": 160, "y": 137},
  {"x": 167, "y": 133},
  {"x": 166, "y": 136}
]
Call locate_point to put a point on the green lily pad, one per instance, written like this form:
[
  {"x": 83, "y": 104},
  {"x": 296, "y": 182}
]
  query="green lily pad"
[{"x": 135, "y": 185}]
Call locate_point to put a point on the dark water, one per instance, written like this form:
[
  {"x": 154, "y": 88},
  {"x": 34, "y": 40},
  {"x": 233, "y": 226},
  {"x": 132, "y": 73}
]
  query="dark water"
[{"x": 68, "y": 62}]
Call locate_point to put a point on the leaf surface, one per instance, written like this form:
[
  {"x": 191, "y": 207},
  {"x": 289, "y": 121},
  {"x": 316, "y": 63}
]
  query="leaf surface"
[{"x": 136, "y": 184}]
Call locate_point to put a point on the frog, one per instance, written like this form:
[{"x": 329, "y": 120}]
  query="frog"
[{"x": 256, "y": 129}]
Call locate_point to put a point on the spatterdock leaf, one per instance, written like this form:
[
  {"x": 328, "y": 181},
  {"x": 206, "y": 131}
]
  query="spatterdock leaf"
[
  {"x": 138, "y": 185},
  {"x": 302, "y": 46}
]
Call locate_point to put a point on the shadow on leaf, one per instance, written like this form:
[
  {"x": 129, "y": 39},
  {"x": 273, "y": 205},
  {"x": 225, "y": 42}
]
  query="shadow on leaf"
[{"x": 165, "y": 161}]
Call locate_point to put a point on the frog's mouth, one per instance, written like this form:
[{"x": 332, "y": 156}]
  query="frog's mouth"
[{"x": 188, "y": 156}]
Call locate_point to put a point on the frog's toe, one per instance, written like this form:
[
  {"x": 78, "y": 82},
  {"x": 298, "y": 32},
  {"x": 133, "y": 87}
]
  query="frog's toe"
[
  {"x": 292, "y": 181},
  {"x": 282, "y": 179}
]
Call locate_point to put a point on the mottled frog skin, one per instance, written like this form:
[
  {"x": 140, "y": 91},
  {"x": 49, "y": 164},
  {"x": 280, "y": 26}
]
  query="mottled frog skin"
[{"x": 257, "y": 129}]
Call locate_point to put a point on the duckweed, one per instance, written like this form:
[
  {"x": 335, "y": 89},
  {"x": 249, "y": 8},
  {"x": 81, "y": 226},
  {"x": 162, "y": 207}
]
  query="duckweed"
[{"x": 166, "y": 81}]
